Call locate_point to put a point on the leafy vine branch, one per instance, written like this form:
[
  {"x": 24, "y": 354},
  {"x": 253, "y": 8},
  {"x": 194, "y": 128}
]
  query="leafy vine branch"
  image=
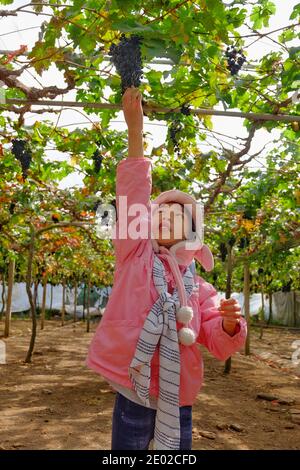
[
  {"x": 235, "y": 159},
  {"x": 160, "y": 109},
  {"x": 9, "y": 78}
]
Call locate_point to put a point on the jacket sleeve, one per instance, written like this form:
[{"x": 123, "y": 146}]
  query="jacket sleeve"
[
  {"x": 133, "y": 190},
  {"x": 212, "y": 335}
]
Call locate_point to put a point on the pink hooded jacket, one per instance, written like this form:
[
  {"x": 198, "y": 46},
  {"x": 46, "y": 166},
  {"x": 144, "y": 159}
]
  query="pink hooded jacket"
[{"x": 133, "y": 295}]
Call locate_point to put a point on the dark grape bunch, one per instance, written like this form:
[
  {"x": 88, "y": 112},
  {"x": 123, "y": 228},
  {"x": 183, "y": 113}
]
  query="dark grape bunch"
[
  {"x": 244, "y": 242},
  {"x": 96, "y": 205},
  {"x": 231, "y": 241},
  {"x": 235, "y": 59},
  {"x": 186, "y": 109},
  {"x": 22, "y": 152},
  {"x": 248, "y": 214},
  {"x": 174, "y": 129},
  {"x": 97, "y": 157},
  {"x": 287, "y": 287},
  {"x": 12, "y": 208},
  {"x": 126, "y": 57}
]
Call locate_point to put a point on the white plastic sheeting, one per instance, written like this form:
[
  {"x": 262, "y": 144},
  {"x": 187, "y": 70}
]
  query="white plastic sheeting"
[
  {"x": 20, "y": 302},
  {"x": 284, "y": 309},
  {"x": 287, "y": 308}
]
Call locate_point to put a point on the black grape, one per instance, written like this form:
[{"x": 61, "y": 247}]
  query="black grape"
[
  {"x": 287, "y": 287},
  {"x": 185, "y": 109},
  {"x": 126, "y": 57},
  {"x": 97, "y": 157},
  {"x": 22, "y": 152},
  {"x": 248, "y": 214},
  {"x": 12, "y": 207},
  {"x": 235, "y": 59},
  {"x": 244, "y": 242},
  {"x": 96, "y": 205},
  {"x": 231, "y": 241},
  {"x": 174, "y": 129}
]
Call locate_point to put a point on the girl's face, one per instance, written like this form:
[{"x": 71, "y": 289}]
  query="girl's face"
[{"x": 171, "y": 224}]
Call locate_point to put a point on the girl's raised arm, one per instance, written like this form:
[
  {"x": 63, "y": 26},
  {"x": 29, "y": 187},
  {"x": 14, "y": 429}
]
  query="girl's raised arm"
[
  {"x": 133, "y": 114},
  {"x": 133, "y": 186}
]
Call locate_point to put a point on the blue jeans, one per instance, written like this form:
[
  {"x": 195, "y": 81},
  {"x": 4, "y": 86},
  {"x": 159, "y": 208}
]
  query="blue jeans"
[{"x": 133, "y": 425}]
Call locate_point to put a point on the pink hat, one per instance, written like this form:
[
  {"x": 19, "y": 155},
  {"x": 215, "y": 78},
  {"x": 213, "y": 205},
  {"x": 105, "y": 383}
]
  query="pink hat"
[{"x": 185, "y": 250}]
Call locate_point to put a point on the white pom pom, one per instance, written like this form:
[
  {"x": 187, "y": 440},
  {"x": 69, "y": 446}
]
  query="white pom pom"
[
  {"x": 186, "y": 336},
  {"x": 184, "y": 314}
]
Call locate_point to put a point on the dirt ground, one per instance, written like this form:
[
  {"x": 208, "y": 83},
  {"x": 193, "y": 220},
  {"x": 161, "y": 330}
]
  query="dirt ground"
[{"x": 57, "y": 403}]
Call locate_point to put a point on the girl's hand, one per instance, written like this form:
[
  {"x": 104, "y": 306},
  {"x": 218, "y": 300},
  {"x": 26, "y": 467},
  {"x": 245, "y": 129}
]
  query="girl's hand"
[
  {"x": 132, "y": 109},
  {"x": 230, "y": 310}
]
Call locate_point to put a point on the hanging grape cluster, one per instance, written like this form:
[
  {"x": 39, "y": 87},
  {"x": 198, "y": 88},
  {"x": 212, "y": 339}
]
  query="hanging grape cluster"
[
  {"x": 97, "y": 158},
  {"x": 244, "y": 242},
  {"x": 287, "y": 287},
  {"x": 174, "y": 129},
  {"x": 235, "y": 59},
  {"x": 12, "y": 208},
  {"x": 248, "y": 214},
  {"x": 22, "y": 152},
  {"x": 231, "y": 241},
  {"x": 126, "y": 57},
  {"x": 96, "y": 205},
  {"x": 186, "y": 109}
]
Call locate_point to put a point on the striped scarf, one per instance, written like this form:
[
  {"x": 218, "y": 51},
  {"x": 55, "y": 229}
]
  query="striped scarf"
[{"x": 160, "y": 328}]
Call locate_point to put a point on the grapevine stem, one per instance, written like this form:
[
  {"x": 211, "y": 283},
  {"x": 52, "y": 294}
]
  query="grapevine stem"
[{"x": 159, "y": 109}]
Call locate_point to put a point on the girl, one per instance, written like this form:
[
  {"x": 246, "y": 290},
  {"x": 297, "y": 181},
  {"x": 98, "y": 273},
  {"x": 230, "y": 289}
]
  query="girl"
[{"x": 146, "y": 345}]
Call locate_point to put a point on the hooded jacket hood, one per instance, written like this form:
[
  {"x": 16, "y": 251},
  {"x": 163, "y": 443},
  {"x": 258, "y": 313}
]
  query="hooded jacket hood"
[{"x": 185, "y": 251}]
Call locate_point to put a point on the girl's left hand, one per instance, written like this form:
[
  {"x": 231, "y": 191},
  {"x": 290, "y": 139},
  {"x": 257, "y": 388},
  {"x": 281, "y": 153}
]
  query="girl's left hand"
[
  {"x": 133, "y": 109},
  {"x": 230, "y": 310}
]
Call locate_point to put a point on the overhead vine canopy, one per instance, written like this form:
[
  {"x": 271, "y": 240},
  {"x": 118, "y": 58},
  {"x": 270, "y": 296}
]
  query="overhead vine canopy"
[
  {"x": 198, "y": 38},
  {"x": 207, "y": 70}
]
